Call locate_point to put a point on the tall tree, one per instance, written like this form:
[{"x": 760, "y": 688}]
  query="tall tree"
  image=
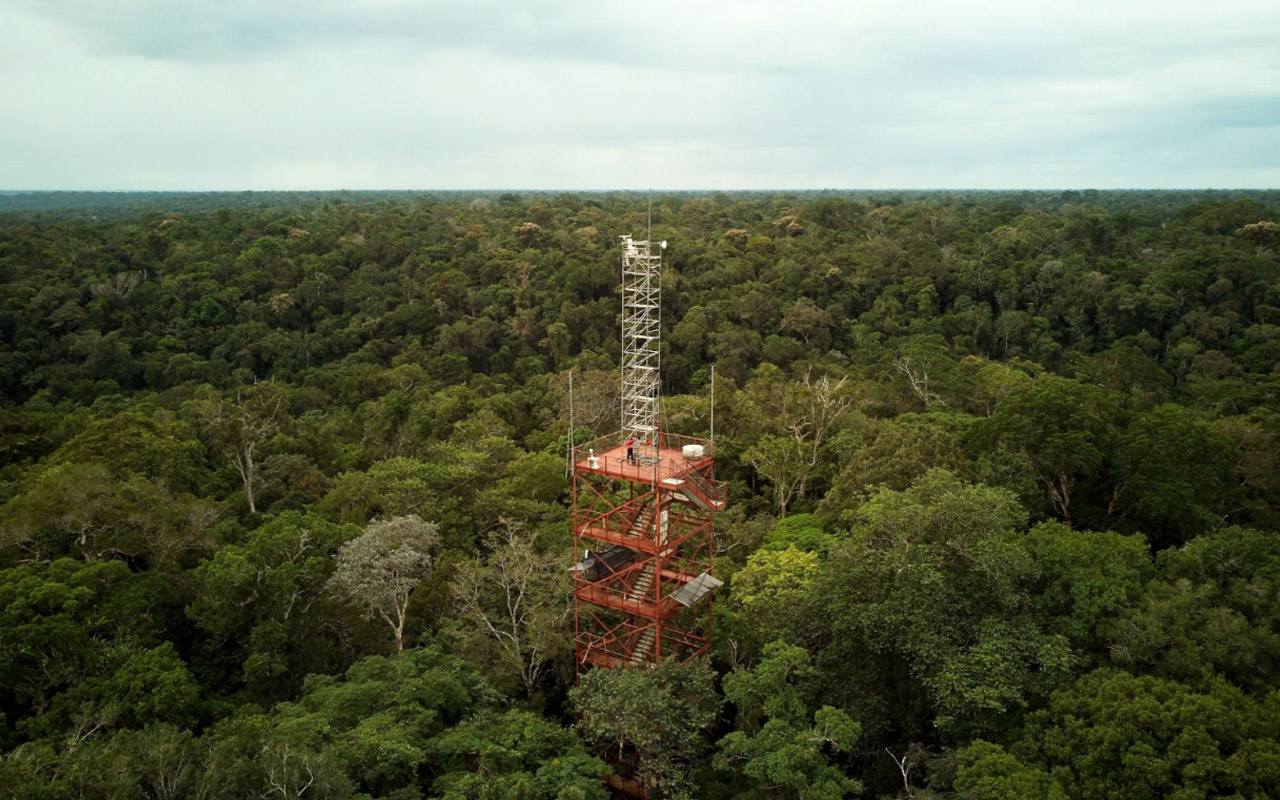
[
  {"x": 257, "y": 599},
  {"x": 808, "y": 412},
  {"x": 379, "y": 569},
  {"x": 783, "y": 748},
  {"x": 1062, "y": 426},
  {"x": 933, "y": 582},
  {"x": 1117, "y": 735},
  {"x": 515, "y": 755},
  {"x": 514, "y": 603},
  {"x": 239, "y": 426}
]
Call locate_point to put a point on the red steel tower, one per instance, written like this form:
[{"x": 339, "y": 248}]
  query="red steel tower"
[{"x": 643, "y": 503}]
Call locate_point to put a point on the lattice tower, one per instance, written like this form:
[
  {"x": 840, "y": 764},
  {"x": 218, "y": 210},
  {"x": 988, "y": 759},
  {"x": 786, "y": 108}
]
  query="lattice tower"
[
  {"x": 644, "y": 502},
  {"x": 641, "y": 348}
]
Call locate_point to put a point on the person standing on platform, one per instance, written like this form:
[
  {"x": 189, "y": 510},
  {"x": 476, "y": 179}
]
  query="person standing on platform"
[{"x": 631, "y": 453}]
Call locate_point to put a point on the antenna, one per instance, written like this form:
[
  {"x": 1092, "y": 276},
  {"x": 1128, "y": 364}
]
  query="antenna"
[{"x": 648, "y": 231}]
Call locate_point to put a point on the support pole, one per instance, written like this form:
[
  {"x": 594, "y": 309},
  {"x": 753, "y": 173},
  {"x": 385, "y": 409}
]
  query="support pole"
[
  {"x": 568, "y": 467},
  {"x": 713, "y": 407}
]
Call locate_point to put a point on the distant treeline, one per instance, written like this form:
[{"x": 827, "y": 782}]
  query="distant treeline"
[{"x": 28, "y": 206}]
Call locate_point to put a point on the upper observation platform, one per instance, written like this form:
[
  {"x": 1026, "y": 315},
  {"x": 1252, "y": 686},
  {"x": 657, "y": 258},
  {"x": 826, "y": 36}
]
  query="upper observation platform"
[{"x": 675, "y": 463}]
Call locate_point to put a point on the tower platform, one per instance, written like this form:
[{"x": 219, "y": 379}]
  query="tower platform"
[
  {"x": 678, "y": 464},
  {"x": 651, "y": 463}
]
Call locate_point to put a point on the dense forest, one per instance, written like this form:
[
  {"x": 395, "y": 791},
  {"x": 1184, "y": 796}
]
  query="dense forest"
[{"x": 283, "y": 495}]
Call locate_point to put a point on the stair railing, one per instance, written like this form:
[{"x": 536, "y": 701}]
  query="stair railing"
[{"x": 709, "y": 490}]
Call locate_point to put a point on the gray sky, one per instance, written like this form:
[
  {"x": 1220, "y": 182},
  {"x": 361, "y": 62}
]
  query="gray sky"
[{"x": 695, "y": 94}]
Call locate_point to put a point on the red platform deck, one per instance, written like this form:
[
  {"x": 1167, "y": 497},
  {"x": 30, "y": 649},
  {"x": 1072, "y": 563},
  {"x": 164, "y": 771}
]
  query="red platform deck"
[
  {"x": 651, "y": 465},
  {"x": 643, "y": 607},
  {"x": 641, "y": 544},
  {"x": 599, "y": 658}
]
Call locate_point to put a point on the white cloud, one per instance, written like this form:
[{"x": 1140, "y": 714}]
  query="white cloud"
[{"x": 156, "y": 94}]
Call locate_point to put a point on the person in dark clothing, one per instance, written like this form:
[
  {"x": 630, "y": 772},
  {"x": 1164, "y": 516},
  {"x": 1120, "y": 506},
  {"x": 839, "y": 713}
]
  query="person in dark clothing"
[{"x": 631, "y": 453}]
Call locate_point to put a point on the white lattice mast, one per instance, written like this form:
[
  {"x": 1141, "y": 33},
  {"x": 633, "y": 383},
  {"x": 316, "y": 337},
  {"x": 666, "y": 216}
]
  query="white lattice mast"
[{"x": 641, "y": 345}]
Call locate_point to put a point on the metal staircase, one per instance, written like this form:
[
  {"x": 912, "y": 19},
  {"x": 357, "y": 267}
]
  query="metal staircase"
[
  {"x": 702, "y": 492},
  {"x": 642, "y": 523},
  {"x": 641, "y": 587},
  {"x": 644, "y": 644}
]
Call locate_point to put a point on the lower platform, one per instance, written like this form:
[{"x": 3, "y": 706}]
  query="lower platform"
[
  {"x": 599, "y": 658},
  {"x": 628, "y": 787},
  {"x": 645, "y": 608}
]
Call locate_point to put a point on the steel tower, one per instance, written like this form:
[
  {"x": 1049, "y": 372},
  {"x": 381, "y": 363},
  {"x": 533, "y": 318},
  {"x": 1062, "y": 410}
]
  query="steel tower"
[{"x": 642, "y": 520}]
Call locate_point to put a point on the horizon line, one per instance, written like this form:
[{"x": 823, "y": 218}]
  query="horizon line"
[{"x": 5, "y": 191}]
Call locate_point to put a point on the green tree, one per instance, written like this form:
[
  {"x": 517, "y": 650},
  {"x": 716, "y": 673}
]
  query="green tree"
[
  {"x": 1172, "y": 475},
  {"x": 929, "y": 372},
  {"x": 898, "y": 455},
  {"x": 1117, "y": 735},
  {"x": 378, "y": 722},
  {"x": 807, "y": 412},
  {"x": 934, "y": 581},
  {"x": 986, "y": 771},
  {"x": 801, "y": 531},
  {"x": 135, "y": 685},
  {"x": 1061, "y": 426},
  {"x": 515, "y": 608},
  {"x": 993, "y": 381},
  {"x": 516, "y": 755},
  {"x": 771, "y": 598},
  {"x": 85, "y": 510},
  {"x": 1212, "y": 608},
  {"x": 78, "y": 642},
  {"x": 379, "y": 569},
  {"x": 783, "y": 748},
  {"x": 1085, "y": 578},
  {"x": 658, "y": 717},
  {"x": 160, "y": 761},
  {"x": 133, "y": 443},
  {"x": 238, "y": 427},
  {"x": 258, "y": 600}
]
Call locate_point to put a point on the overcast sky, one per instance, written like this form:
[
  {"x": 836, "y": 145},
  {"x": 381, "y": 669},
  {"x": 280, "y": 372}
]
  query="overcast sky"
[{"x": 668, "y": 94}]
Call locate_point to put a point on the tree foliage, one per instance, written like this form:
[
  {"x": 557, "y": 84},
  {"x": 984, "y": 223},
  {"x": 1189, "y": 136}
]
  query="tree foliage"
[
  {"x": 515, "y": 607},
  {"x": 1117, "y": 735},
  {"x": 658, "y": 716},
  {"x": 1002, "y": 467},
  {"x": 379, "y": 569},
  {"x": 783, "y": 748}
]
